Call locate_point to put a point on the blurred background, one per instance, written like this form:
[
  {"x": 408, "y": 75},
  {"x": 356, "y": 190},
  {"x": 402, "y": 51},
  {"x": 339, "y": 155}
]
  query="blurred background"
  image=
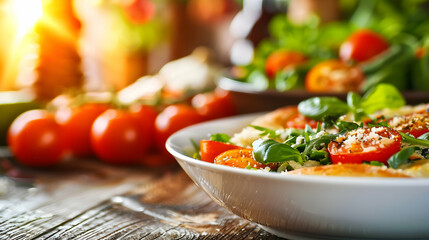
[{"x": 162, "y": 52}]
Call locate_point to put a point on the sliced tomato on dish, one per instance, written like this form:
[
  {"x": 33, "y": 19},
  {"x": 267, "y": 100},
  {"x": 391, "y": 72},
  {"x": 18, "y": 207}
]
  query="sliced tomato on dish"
[
  {"x": 363, "y": 45},
  {"x": 365, "y": 144},
  {"x": 415, "y": 124},
  {"x": 299, "y": 121},
  {"x": 334, "y": 76},
  {"x": 239, "y": 158},
  {"x": 209, "y": 149}
]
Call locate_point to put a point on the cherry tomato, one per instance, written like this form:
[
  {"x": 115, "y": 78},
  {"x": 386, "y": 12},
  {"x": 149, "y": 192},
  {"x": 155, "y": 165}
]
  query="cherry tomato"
[
  {"x": 210, "y": 149},
  {"x": 281, "y": 59},
  {"x": 146, "y": 115},
  {"x": 415, "y": 124},
  {"x": 76, "y": 124},
  {"x": 215, "y": 104},
  {"x": 116, "y": 137},
  {"x": 334, "y": 76},
  {"x": 172, "y": 119},
  {"x": 299, "y": 121},
  {"x": 35, "y": 139},
  {"x": 239, "y": 158},
  {"x": 139, "y": 11},
  {"x": 365, "y": 144},
  {"x": 363, "y": 45}
]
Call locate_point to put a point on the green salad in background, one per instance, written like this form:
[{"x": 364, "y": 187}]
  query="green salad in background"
[{"x": 376, "y": 42}]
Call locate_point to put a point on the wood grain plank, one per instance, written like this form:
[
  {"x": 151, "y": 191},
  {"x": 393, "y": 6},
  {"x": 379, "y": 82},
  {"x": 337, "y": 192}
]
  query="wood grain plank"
[{"x": 89, "y": 200}]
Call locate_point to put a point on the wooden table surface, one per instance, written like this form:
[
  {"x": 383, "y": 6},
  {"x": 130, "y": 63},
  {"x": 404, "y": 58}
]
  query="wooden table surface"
[{"x": 85, "y": 199}]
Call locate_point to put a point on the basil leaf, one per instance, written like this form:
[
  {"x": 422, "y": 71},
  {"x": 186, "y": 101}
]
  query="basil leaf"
[
  {"x": 220, "y": 137},
  {"x": 415, "y": 141},
  {"x": 382, "y": 96},
  {"x": 323, "y": 108},
  {"x": 401, "y": 157},
  {"x": 270, "y": 151},
  {"x": 353, "y": 100},
  {"x": 349, "y": 126}
]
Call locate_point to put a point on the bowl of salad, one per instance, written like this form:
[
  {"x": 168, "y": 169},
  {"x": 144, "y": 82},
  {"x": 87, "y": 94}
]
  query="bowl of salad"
[
  {"x": 376, "y": 42},
  {"x": 325, "y": 169}
]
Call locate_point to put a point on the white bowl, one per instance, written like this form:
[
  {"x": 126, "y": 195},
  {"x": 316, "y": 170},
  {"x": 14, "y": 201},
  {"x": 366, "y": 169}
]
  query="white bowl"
[{"x": 307, "y": 207}]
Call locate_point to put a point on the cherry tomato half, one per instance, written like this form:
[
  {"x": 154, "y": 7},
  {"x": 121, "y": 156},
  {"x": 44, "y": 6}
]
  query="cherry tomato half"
[
  {"x": 239, "y": 158},
  {"x": 334, "y": 76},
  {"x": 172, "y": 119},
  {"x": 210, "y": 149},
  {"x": 299, "y": 121},
  {"x": 415, "y": 124},
  {"x": 282, "y": 59},
  {"x": 215, "y": 104},
  {"x": 363, "y": 45},
  {"x": 35, "y": 139},
  {"x": 76, "y": 124},
  {"x": 365, "y": 144},
  {"x": 117, "y": 137}
]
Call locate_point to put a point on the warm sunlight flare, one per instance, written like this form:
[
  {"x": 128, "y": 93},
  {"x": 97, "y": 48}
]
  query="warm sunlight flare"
[{"x": 27, "y": 13}]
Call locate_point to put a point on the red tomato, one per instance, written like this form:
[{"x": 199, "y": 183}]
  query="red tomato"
[
  {"x": 116, "y": 137},
  {"x": 215, "y": 104},
  {"x": 76, "y": 124},
  {"x": 172, "y": 119},
  {"x": 35, "y": 139},
  {"x": 334, "y": 76},
  {"x": 415, "y": 124},
  {"x": 365, "y": 144},
  {"x": 280, "y": 60},
  {"x": 210, "y": 149},
  {"x": 363, "y": 45},
  {"x": 140, "y": 11},
  {"x": 299, "y": 121},
  {"x": 146, "y": 114}
]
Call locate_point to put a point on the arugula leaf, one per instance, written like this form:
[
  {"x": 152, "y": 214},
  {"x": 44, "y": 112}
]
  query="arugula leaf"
[
  {"x": 266, "y": 132},
  {"x": 316, "y": 143},
  {"x": 320, "y": 155},
  {"x": 270, "y": 151},
  {"x": 220, "y": 137},
  {"x": 414, "y": 141},
  {"x": 401, "y": 157},
  {"x": 373, "y": 163},
  {"x": 382, "y": 96},
  {"x": 424, "y": 136},
  {"x": 323, "y": 108}
]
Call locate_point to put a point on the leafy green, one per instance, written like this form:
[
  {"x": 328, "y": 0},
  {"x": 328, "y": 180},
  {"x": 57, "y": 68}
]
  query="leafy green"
[
  {"x": 266, "y": 132},
  {"x": 414, "y": 141},
  {"x": 424, "y": 136},
  {"x": 380, "y": 97},
  {"x": 349, "y": 126},
  {"x": 316, "y": 143},
  {"x": 401, "y": 157},
  {"x": 323, "y": 108},
  {"x": 373, "y": 163},
  {"x": 220, "y": 137},
  {"x": 270, "y": 151}
]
